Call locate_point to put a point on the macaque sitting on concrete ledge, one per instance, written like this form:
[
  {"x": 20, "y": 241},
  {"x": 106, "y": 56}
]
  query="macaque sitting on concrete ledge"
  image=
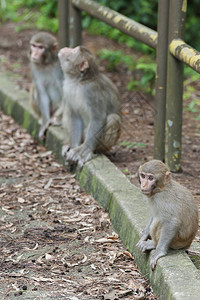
[
  {"x": 174, "y": 215},
  {"x": 47, "y": 80},
  {"x": 92, "y": 114}
]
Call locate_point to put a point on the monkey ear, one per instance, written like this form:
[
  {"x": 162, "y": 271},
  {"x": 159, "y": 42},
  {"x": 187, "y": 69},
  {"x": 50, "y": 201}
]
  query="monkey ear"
[
  {"x": 167, "y": 177},
  {"x": 139, "y": 179},
  {"x": 83, "y": 66},
  {"x": 55, "y": 47},
  {"x": 137, "y": 175}
]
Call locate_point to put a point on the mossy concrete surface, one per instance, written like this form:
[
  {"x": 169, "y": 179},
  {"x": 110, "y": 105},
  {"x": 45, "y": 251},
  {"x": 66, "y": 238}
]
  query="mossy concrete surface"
[{"x": 175, "y": 276}]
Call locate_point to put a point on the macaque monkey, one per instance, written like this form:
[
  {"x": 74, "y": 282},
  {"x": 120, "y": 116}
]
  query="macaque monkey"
[
  {"x": 47, "y": 77},
  {"x": 92, "y": 114},
  {"x": 174, "y": 214}
]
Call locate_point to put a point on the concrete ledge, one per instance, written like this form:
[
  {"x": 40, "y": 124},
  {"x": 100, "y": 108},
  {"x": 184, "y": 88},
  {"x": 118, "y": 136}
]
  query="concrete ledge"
[{"x": 175, "y": 276}]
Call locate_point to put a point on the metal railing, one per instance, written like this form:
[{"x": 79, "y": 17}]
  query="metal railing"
[{"x": 172, "y": 53}]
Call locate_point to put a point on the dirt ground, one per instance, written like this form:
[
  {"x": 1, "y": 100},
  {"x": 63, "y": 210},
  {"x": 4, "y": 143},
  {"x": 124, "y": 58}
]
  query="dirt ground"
[
  {"x": 54, "y": 238},
  {"x": 138, "y": 120}
]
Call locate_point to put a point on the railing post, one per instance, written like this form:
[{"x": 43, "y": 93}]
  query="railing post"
[
  {"x": 75, "y": 27},
  {"x": 63, "y": 20},
  {"x": 161, "y": 79},
  {"x": 174, "y": 105}
]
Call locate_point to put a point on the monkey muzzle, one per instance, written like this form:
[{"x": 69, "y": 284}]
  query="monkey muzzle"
[
  {"x": 146, "y": 192},
  {"x": 149, "y": 192}
]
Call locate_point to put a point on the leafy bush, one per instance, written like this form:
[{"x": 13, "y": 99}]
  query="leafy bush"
[
  {"x": 148, "y": 75},
  {"x": 97, "y": 27},
  {"x": 44, "y": 15},
  {"x": 36, "y": 13},
  {"x": 145, "y": 12},
  {"x": 129, "y": 145},
  {"x": 145, "y": 65},
  {"x": 142, "y": 11},
  {"x": 193, "y": 105},
  {"x": 115, "y": 58}
]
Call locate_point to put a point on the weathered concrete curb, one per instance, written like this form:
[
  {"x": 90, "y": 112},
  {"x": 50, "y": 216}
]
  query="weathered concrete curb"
[{"x": 175, "y": 276}]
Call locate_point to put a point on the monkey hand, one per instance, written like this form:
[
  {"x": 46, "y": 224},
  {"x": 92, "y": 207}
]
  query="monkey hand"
[
  {"x": 43, "y": 129},
  {"x": 55, "y": 121},
  {"x": 155, "y": 256},
  {"x": 80, "y": 155},
  {"x": 65, "y": 149},
  {"x": 145, "y": 245},
  {"x": 144, "y": 235}
]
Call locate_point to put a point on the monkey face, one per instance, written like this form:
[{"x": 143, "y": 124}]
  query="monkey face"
[
  {"x": 37, "y": 51},
  {"x": 72, "y": 61},
  {"x": 67, "y": 61},
  {"x": 147, "y": 183},
  {"x": 153, "y": 176},
  {"x": 78, "y": 62},
  {"x": 43, "y": 48}
]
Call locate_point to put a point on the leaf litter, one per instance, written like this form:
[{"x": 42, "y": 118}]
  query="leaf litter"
[{"x": 55, "y": 239}]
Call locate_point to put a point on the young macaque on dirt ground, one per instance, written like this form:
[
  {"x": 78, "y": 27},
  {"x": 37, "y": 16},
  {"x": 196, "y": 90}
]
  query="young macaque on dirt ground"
[
  {"x": 174, "y": 214},
  {"x": 92, "y": 114},
  {"x": 47, "y": 77}
]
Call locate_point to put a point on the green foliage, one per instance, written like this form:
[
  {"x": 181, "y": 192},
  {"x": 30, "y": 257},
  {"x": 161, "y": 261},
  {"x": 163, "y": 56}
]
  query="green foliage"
[
  {"x": 194, "y": 107},
  {"x": 145, "y": 65},
  {"x": 36, "y": 13},
  {"x": 190, "y": 74},
  {"x": 142, "y": 11},
  {"x": 127, "y": 172},
  {"x": 145, "y": 12},
  {"x": 148, "y": 74},
  {"x": 192, "y": 77},
  {"x": 2, "y": 59},
  {"x": 129, "y": 145},
  {"x": 115, "y": 58},
  {"x": 97, "y": 27},
  {"x": 188, "y": 92},
  {"x": 193, "y": 24},
  {"x": 43, "y": 14},
  {"x": 17, "y": 65}
]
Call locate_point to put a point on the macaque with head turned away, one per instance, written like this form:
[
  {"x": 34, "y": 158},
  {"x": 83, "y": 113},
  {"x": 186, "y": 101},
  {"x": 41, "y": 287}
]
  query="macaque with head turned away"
[
  {"x": 47, "y": 77},
  {"x": 92, "y": 114},
  {"x": 174, "y": 215}
]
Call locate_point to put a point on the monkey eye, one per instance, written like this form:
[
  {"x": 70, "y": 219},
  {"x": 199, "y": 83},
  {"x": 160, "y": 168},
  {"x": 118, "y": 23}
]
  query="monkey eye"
[
  {"x": 38, "y": 46},
  {"x": 142, "y": 175},
  {"x": 151, "y": 178}
]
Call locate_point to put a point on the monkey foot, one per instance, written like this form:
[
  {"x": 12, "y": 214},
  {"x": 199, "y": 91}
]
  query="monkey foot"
[
  {"x": 55, "y": 121},
  {"x": 79, "y": 155},
  {"x": 155, "y": 256},
  {"x": 144, "y": 246},
  {"x": 65, "y": 149}
]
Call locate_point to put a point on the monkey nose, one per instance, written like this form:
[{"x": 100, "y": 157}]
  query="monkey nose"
[
  {"x": 143, "y": 184},
  {"x": 65, "y": 50},
  {"x": 35, "y": 54}
]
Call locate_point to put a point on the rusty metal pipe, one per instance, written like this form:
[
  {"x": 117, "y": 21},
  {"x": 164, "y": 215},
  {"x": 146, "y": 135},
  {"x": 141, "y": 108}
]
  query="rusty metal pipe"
[{"x": 116, "y": 20}]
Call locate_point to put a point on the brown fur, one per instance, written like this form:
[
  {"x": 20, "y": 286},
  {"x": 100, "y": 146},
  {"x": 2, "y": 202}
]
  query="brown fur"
[{"x": 174, "y": 222}]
